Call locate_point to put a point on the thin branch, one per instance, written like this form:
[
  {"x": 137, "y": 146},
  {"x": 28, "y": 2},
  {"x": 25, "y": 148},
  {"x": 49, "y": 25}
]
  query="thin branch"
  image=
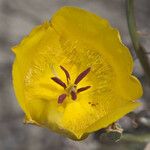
[
  {"x": 139, "y": 49},
  {"x": 142, "y": 138}
]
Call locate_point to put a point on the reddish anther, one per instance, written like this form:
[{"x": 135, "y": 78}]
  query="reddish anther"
[
  {"x": 66, "y": 73},
  {"x": 73, "y": 95},
  {"x": 82, "y": 75},
  {"x": 58, "y": 81},
  {"x": 83, "y": 89},
  {"x": 61, "y": 98},
  {"x": 73, "y": 92}
]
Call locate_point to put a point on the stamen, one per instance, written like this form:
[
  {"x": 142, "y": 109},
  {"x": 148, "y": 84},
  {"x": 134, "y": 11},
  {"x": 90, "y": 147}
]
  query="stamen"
[
  {"x": 71, "y": 89},
  {"x": 58, "y": 81},
  {"x": 82, "y": 75},
  {"x": 61, "y": 98},
  {"x": 66, "y": 73},
  {"x": 73, "y": 95},
  {"x": 83, "y": 89}
]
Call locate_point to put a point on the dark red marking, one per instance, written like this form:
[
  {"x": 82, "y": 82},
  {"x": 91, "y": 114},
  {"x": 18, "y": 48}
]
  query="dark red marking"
[
  {"x": 58, "y": 81},
  {"x": 61, "y": 98},
  {"x": 93, "y": 104},
  {"x": 83, "y": 89},
  {"x": 66, "y": 73},
  {"x": 73, "y": 95},
  {"x": 82, "y": 75}
]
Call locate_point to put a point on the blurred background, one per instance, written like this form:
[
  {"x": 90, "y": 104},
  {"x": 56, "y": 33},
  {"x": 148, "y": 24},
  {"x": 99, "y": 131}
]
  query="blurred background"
[{"x": 17, "y": 18}]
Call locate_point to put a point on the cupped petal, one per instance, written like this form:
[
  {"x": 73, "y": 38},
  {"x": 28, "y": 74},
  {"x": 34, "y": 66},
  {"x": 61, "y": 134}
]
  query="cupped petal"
[
  {"x": 33, "y": 55},
  {"x": 25, "y": 52},
  {"x": 78, "y": 25},
  {"x": 102, "y": 103},
  {"x": 76, "y": 40},
  {"x": 19, "y": 87},
  {"x": 93, "y": 117}
]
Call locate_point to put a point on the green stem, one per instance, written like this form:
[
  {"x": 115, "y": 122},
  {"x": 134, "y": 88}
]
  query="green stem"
[
  {"x": 139, "y": 49},
  {"x": 143, "y": 138}
]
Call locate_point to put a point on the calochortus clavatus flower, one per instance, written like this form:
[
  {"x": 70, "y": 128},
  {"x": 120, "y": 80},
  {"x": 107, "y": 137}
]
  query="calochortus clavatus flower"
[{"x": 72, "y": 74}]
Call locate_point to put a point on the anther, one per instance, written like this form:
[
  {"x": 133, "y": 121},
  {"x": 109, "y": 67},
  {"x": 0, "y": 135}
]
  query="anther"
[
  {"x": 83, "y": 89},
  {"x": 66, "y": 73},
  {"x": 82, "y": 75},
  {"x": 72, "y": 88},
  {"x": 58, "y": 81},
  {"x": 61, "y": 98},
  {"x": 73, "y": 95}
]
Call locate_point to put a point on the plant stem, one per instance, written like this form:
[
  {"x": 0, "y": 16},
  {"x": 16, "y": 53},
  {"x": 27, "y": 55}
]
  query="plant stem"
[
  {"x": 139, "y": 49},
  {"x": 143, "y": 138}
]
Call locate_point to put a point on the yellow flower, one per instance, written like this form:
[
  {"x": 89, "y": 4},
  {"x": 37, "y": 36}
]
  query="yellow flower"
[{"x": 73, "y": 74}]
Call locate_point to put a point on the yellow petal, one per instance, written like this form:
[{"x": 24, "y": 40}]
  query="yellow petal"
[
  {"x": 95, "y": 33},
  {"x": 75, "y": 39},
  {"x": 93, "y": 118}
]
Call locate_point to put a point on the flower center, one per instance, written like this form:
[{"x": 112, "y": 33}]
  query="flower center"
[{"x": 71, "y": 89}]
